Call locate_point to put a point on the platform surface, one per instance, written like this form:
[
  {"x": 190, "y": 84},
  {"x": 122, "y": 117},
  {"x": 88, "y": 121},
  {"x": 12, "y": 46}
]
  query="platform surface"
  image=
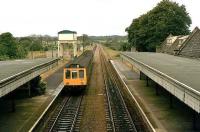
[
  {"x": 10, "y": 68},
  {"x": 184, "y": 70},
  {"x": 156, "y": 108}
]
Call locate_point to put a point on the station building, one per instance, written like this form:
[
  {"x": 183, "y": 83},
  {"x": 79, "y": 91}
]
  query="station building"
[{"x": 183, "y": 45}]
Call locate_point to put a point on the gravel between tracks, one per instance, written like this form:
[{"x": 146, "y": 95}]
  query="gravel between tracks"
[{"x": 93, "y": 119}]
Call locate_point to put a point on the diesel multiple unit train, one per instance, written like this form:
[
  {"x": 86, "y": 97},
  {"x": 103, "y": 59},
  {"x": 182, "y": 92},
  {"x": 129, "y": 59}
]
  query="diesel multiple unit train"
[{"x": 76, "y": 73}]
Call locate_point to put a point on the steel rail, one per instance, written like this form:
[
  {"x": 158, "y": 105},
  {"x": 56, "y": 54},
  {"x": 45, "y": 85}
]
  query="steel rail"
[
  {"x": 67, "y": 114},
  {"x": 123, "y": 102},
  {"x": 62, "y": 107},
  {"x": 122, "y": 118},
  {"x": 107, "y": 93},
  {"x": 60, "y": 87},
  {"x": 144, "y": 116}
]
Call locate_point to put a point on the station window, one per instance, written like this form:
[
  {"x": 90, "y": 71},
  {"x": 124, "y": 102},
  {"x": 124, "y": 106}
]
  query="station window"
[
  {"x": 74, "y": 74},
  {"x": 81, "y": 73},
  {"x": 68, "y": 74}
]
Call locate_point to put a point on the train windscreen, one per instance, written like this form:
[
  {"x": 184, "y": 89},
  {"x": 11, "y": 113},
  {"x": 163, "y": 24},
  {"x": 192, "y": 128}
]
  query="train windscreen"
[
  {"x": 67, "y": 74},
  {"x": 81, "y": 73},
  {"x": 74, "y": 74}
]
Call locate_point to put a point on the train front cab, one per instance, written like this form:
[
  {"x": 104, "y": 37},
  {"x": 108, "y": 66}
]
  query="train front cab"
[{"x": 75, "y": 78}]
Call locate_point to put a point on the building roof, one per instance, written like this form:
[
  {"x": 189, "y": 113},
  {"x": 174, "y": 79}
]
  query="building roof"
[
  {"x": 67, "y": 32},
  {"x": 176, "y": 44},
  {"x": 186, "y": 42},
  {"x": 184, "y": 37},
  {"x": 170, "y": 44},
  {"x": 183, "y": 45}
]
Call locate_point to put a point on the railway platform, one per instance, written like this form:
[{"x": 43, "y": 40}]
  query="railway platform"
[
  {"x": 178, "y": 75},
  {"x": 159, "y": 115},
  {"x": 15, "y": 73},
  {"x": 29, "y": 110}
]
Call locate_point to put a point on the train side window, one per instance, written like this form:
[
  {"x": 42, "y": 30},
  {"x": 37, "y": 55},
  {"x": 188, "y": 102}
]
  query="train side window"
[
  {"x": 74, "y": 74},
  {"x": 81, "y": 73},
  {"x": 67, "y": 74}
]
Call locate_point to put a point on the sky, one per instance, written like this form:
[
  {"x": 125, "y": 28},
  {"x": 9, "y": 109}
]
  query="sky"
[{"x": 92, "y": 17}]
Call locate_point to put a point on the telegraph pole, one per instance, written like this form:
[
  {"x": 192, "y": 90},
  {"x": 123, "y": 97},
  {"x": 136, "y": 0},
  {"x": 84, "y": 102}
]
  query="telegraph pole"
[
  {"x": 31, "y": 48},
  {"x": 52, "y": 50},
  {"x": 83, "y": 42}
]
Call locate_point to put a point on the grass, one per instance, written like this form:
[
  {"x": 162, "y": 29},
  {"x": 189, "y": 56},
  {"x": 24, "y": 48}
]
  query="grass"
[{"x": 113, "y": 53}]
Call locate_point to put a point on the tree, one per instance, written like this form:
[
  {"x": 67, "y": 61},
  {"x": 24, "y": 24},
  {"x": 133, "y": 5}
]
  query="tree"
[
  {"x": 24, "y": 45},
  {"x": 85, "y": 40},
  {"x": 15, "y": 48},
  {"x": 8, "y": 45},
  {"x": 21, "y": 51},
  {"x": 125, "y": 47},
  {"x": 150, "y": 29},
  {"x": 36, "y": 46}
]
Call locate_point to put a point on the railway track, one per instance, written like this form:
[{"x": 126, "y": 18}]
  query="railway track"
[
  {"x": 65, "y": 116},
  {"x": 119, "y": 117},
  {"x": 65, "y": 111}
]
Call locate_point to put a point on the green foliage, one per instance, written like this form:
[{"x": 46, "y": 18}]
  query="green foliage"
[
  {"x": 11, "y": 48},
  {"x": 18, "y": 48},
  {"x": 85, "y": 40},
  {"x": 36, "y": 46},
  {"x": 3, "y": 57},
  {"x": 125, "y": 46},
  {"x": 150, "y": 29},
  {"x": 8, "y": 45},
  {"x": 31, "y": 43},
  {"x": 3, "y": 49},
  {"x": 114, "y": 42},
  {"x": 46, "y": 48},
  {"x": 38, "y": 85},
  {"x": 21, "y": 51},
  {"x": 25, "y": 42}
]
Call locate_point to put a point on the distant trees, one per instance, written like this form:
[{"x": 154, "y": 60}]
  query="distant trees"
[
  {"x": 114, "y": 42},
  {"x": 125, "y": 46},
  {"x": 8, "y": 46},
  {"x": 16, "y": 48},
  {"x": 149, "y": 30},
  {"x": 85, "y": 40}
]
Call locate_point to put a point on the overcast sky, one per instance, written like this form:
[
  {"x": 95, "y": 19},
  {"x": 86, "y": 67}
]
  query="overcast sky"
[{"x": 92, "y": 17}]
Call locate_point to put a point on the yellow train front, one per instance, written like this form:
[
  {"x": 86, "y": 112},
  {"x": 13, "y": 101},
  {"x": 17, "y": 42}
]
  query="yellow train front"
[{"x": 75, "y": 75}]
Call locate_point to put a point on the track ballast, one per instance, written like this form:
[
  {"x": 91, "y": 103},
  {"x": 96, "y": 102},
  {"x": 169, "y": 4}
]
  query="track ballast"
[{"x": 119, "y": 117}]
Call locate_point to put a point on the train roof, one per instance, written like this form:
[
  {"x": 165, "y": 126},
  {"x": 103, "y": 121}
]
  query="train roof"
[
  {"x": 74, "y": 65},
  {"x": 81, "y": 61}
]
